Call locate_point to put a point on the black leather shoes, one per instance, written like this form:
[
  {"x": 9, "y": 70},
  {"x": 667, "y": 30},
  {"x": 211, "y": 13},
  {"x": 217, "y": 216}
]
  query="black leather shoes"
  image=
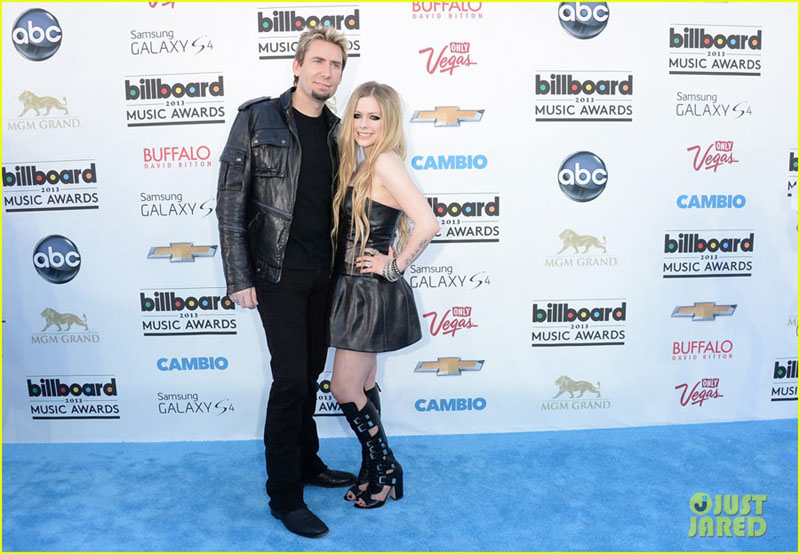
[
  {"x": 301, "y": 521},
  {"x": 331, "y": 478}
]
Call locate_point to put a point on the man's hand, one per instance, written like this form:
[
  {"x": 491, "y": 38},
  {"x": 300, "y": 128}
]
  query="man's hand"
[{"x": 245, "y": 298}]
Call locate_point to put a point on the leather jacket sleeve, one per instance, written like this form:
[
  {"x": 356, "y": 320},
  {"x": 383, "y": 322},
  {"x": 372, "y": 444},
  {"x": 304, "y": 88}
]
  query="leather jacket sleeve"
[{"x": 233, "y": 189}]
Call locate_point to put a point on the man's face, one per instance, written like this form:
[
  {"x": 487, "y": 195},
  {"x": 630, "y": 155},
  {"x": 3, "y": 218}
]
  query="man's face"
[{"x": 321, "y": 71}]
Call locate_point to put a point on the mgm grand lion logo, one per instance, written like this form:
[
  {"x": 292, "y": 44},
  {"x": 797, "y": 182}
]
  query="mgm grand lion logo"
[
  {"x": 565, "y": 384},
  {"x": 32, "y": 102},
  {"x": 572, "y": 239},
  {"x": 53, "y": 318}
]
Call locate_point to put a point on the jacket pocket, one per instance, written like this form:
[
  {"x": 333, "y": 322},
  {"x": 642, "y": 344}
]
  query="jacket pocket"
[
  {"x": 231, "y": 169},
  {"x": 267, "y": 233},
  {"x": 270, "y": 149}
]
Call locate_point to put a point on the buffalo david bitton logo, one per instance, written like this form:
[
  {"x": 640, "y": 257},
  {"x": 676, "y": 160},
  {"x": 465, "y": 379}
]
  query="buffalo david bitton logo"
[{"x": 449, "y": 366}]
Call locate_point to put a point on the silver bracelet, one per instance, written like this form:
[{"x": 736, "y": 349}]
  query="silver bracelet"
[{"x": 390, "y": 272}]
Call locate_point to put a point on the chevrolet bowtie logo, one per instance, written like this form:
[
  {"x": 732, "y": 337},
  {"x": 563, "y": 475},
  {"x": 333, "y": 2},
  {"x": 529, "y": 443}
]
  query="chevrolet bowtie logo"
[
  {"x": 449, "y": 366},
  {"x": 446, "y": 116},
  {"x": 703, "y": 311},
  {"x": 181, "y": 252}
]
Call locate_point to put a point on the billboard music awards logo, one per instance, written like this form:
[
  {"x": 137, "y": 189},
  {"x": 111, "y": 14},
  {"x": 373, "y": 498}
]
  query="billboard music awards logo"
[
  {"x": 583, "y": 20},
  {"x": 452, "y": 162},
  {"x": 279, "y": 28},
  {"x": 580, "y": 322},
  {"x": 702, "y": 391},
  {"x": 190, "y": 404},
  {"x": 36, "y": 35},
  {"x": 73, "y": 397},
  {"x": 448, "y": 58},
  {"x": 446, "y": 11},
  {"x": 718, "y": 153},
  {"x": 708, "y": 106},
  {"x": 466, "y": 216},
  {"x": 445, "y": 277},
  {"x": 181, "y": 252},
  {"x": 581, "y": 251},
  {"x": 186, "y": 311},
  {"x": 453, "y": 320},
  {"x": 693, "y": 253},
  {"x": 326, "y": 403},
  {"x": 36, "y": 116},
  {"x": 50, "y": 186},
  {"x": 791, "y": 181},
  {"x": 174, "y": 99},
  {"x": 584, "y": 96},
  {"x": 58, "y": 329},
  {"x": 447, "y": 116},
  {"x": 593, "y": 400},
  {"x": 582, "y": 176},
  {"x": 56, "y": 259},
  {"x": 172, "y": 204},
  {"x": 165, "y": 42},
  {"x": 711, "y": 510},
  {"x": 729, "y": 50},
  {"x": 176, "y": 157},
  {"x": 784, "y": 380}
]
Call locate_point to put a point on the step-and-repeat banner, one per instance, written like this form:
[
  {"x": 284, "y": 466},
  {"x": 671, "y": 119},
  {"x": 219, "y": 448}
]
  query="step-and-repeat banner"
[{"x": 616, "y": 186}]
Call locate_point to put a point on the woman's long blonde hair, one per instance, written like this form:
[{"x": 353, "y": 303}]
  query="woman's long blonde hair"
[{"x": 391, "y": 140}]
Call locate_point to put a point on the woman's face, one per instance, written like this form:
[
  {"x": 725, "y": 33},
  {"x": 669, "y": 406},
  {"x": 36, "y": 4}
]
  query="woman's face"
[{"x": 367, "y": 122}]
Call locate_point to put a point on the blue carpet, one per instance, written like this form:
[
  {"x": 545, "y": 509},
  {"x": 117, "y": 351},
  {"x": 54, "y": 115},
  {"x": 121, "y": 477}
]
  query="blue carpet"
[{"x": 609, "y": 489}]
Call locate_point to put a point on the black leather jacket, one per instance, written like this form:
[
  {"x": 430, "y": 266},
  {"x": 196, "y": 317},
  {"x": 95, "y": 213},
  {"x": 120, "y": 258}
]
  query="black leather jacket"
[{"x": 258, "y": 173}]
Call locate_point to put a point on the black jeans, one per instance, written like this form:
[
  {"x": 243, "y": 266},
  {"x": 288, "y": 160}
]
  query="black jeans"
[{"x": 294, "y": 313}]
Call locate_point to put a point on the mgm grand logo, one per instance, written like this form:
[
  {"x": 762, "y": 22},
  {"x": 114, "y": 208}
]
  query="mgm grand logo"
[
  {"x": 576, "y": 401},
  {"x": 581, "y": 251},
  {"x": 58, "y": 328},
  {"x": 36, "y": 114}
]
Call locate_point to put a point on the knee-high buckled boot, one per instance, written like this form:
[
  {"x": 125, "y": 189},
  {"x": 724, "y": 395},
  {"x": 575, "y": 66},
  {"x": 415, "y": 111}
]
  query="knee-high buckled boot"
[
  {"x": 373, "y": 395},
  {"x": 384, "y": 470}
]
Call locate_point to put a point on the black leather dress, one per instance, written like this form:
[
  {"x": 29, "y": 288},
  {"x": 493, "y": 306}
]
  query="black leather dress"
[{"x": 369, "y": 313}]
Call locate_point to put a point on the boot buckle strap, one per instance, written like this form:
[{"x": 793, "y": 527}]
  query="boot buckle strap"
[{"x": 387, "y": 479}]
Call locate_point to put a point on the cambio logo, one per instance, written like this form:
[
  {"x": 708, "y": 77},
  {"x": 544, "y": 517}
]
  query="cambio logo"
[
  {"x": 56, "y": 259},
  {"x": 582, "y": 176},
  {"x": 36, "y": 35},
  {"x": 583, "y": 19}
]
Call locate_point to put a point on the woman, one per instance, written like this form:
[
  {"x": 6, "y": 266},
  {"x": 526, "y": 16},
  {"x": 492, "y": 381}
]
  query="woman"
[{"x": 372, "y": 307}]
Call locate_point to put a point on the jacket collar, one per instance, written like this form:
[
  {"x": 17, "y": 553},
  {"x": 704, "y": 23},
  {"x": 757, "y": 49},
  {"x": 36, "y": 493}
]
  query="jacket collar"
[{"x": 286, "y": 103}]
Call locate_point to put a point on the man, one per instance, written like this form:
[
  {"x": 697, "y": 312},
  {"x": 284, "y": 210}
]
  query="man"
[{"x": 274, "y": 210}]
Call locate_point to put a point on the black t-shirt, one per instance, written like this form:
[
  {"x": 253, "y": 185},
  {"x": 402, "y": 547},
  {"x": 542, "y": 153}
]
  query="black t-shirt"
[{"x": 309, "y": 245}]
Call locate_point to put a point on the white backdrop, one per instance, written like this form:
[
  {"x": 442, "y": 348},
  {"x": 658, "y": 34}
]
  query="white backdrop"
[{"x": 141, "y": 187}]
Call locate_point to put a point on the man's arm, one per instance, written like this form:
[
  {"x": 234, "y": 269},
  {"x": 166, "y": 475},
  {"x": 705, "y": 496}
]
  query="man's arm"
[{"x": 233, "y": 189}]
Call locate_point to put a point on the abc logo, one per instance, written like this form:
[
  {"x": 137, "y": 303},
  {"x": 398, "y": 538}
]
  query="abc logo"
[
  {"x": 582, "y": 176},
  {"x": 57, "y": 259},
  {"x": 583, "y": 19},
  {"x": 37, "y": 35}
]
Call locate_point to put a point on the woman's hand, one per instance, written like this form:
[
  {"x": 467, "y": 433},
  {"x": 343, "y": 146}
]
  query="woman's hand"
[{"x": 373, "y": 261}]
